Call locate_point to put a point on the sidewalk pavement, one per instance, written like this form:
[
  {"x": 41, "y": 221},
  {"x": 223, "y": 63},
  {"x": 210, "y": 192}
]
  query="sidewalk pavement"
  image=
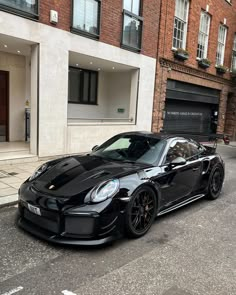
[
  {"x": 233, "y": 143},
  {"x": 11, "y": 177}
]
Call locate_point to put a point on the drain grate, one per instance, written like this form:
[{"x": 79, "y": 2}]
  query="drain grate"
[{"x": 6, "y": 174}]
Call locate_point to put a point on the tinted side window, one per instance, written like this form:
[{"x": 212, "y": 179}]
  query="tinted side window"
[
  {"x": 177, "y": 149},
  {"x": 194, "y": 149}
]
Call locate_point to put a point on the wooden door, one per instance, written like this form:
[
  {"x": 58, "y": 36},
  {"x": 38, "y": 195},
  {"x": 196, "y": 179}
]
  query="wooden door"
[{"x": 4, "y": 104}]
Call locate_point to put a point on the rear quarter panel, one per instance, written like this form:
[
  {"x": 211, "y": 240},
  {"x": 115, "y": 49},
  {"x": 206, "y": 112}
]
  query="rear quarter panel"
[{"x": 213, "y": 159}]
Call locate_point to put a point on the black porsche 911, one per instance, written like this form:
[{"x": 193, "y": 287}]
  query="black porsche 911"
[{"x": 119, "y": 188}]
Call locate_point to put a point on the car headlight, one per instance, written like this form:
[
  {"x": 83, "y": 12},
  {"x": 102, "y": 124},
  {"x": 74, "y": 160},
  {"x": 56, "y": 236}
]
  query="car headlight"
[
  {"x": 38, "y": 172},
  {"x": 105, "y": 191}
]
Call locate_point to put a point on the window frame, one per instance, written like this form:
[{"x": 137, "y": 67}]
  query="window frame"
[
  {"x": 184, "y": 41},
  {"x": 206, "y": 34},
  {"x": 21, "y": 12},
  {"x": 81, "y": 90},
  {"x": 137, "y": 17},
  {"x": 82, "y": 32},
  {"x": 233, "y": 58},
  {"x": 224, "y": 45},
  {"x": 175, "y": 141},
  {"x": 140, "y": 7}
]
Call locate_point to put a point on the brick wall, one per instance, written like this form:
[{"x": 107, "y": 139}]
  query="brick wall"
[
  {"x": 63, "y": 7},
  {"x": 189, "y": 71},
  {"x": 230, "y": 116},
  {"x": 151, "y": 15},
  {"x": 111, "y": 21},
  {"x": 218, "y": 9}
]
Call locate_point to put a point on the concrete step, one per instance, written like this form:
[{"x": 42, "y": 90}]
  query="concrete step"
[
  {"x": 9, "y": 154},
  {"x": 16, "y": 158},
  {"x": 8, "y": 201}
]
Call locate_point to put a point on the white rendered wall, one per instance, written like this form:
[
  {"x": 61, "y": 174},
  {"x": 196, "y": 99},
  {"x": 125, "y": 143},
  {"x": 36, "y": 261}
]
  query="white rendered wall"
[
  {"x": 53, "y": 92},
  {"x": 27, "y": 78},
  {"x": 55, "y": 135},
  {"x": 82, "y": 138},
  {"x": 34, "y": 99},
  {"x": 119, "y": 90},
  {"x": 16, "y": 66}
]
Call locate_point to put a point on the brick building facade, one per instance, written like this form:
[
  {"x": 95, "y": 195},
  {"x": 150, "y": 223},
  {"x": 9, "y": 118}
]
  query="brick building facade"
[
  {"x": 183, "y": 86},
  {"x": 111, "y": 21}
]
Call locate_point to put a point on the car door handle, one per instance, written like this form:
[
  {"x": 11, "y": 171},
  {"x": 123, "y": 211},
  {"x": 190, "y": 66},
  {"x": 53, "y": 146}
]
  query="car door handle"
[{"x": 195, "y": 169}]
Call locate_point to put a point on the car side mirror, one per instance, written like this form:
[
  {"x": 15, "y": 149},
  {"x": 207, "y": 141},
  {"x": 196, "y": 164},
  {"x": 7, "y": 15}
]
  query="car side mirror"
[
  {"x": 179, "y": 161},
  {"x": 94, "y": 148}
]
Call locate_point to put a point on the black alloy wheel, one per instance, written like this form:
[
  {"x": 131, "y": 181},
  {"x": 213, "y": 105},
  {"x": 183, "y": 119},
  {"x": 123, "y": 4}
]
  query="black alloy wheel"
[
  {"x": 141, "y": 212},
  {"x": 215, "y": 182}
]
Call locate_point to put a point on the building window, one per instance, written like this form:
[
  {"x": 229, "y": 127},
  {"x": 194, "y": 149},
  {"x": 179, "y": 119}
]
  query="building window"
[
  {"x": 82, "y": 86},
  {"x": 180, "y": 23},
  {"x": 233, "y": 64},
  {"x": 86, "y": 17},
  {"x": 132, "y": 25},
  {"x": 221, "y": 45},
  {"x": 203, "y": 35},
  {"x": 27, "y": 8}
]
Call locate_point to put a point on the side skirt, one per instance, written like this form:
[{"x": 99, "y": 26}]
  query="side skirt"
[{"x": 172, "y": 208}]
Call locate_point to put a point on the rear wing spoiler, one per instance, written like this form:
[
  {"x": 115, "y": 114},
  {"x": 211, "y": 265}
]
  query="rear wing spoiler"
[
  {"x": 208, "y": 138},
  {"x": 215, "y": 137}
]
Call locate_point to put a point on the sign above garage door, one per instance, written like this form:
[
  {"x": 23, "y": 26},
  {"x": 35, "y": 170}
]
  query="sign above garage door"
[{"x": 190, "y": 92}]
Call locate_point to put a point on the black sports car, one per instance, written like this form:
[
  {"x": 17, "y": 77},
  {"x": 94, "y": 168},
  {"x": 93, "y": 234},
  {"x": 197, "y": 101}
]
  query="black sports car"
[{"x": 119, "y": 188}]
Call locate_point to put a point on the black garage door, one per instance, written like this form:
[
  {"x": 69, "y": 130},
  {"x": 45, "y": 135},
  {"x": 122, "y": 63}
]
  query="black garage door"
[
  {"x": 187, "y": 117},
  {"x": 190, "y": 109}
]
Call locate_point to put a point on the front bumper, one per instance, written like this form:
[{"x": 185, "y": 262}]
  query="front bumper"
[
  {"x": 80, "y": 228},
  {"x": 59, "y": 239}
]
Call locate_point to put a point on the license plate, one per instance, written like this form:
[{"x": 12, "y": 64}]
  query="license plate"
[{"x": 34, "y": 209}]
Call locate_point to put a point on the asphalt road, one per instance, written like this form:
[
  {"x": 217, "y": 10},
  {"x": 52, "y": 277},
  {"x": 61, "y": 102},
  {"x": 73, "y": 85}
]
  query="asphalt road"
[{"x": 187, "y": 252}]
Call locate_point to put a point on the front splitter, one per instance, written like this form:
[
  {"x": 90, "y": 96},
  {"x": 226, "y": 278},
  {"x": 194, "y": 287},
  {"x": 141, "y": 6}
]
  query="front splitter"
[{"x": 57, "y": 239}]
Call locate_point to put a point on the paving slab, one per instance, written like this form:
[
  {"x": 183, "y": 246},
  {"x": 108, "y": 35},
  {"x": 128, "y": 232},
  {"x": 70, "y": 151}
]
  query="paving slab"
[{"x": 11, "y": 177}]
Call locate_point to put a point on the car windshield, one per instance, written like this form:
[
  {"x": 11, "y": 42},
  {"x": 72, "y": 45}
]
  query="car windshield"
[{"x": 131, "y": 148}]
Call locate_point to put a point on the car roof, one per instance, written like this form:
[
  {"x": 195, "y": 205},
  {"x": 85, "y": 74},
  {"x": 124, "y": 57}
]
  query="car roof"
[
  {"x": 152, "y": 134},
  {"x": 163, "y": 135}
]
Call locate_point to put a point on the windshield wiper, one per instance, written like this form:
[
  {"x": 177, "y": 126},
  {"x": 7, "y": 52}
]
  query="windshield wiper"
[
  {"x": 128, "y": 161},
  {"x": 119, "y": 160}
]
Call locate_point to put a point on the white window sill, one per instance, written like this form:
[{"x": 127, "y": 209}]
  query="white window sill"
[
  {"x": 100, "y": 122},
  {"x": 175, "y": 49},
  {"x": 229, "y": 2}
]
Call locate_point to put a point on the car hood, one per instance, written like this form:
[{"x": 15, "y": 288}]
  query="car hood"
[{"x": 79, "y": 174}]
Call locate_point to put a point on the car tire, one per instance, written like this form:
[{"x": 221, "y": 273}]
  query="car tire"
[
  {"x": 215, "y": 182},
  {"x": 141, "y": 212}
]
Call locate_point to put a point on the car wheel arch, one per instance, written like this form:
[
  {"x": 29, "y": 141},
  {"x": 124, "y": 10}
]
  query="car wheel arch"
[
  {"x": 214, "y": 164},
  {"x": 154, "y": 188},
  {"x": 214, "y": 168}
]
